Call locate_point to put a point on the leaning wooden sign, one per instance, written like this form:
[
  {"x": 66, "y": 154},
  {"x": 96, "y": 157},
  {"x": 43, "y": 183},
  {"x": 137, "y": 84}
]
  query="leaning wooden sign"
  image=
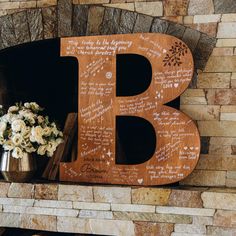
[{"x": 177, "y": 138}]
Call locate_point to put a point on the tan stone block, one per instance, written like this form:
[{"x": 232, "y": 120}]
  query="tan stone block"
[
  {"x": 92, "y": 206},
  {"x": 160, "y": 218},
  {"x": 21, "y": 190},
  {"x": 226, "y": 43},
  {"x": 28, "y": 4},
  {"x": 149, "y": 8},
  {"x": 46, "y": 3},
  {"x": 73, "y": 225},
  {"x": 230, "y": 183},
  {"x": 9, "y": 5},
  {"x": 202, "y": 220},
  {"x": 222, "y": 52},
  {"x": 124, "y": 6},
  {"x": 233, "y": 76},
  {"x": 228, "y": 116},
  {"x": 17, "y": 201},
  {"x": 210, "y": 162},
  {"x": 14, "y": 209},
  {"x": 9, "y": 220},
  {"x": 220, "y": 141},
  {"x": 201, "y": 112},
  {"x": 225, "y": 218},
  {"x": 226, "y": 30},
  {"x": 203, "y": 7},
  {"x": 206, "y": 18},
  {"x": 229, "y": 163},
  {"x": 112, "y": 194},
  {"x": 152, "y": 196},
  {"x": 221, "y": 64},
  {"x": 220, "y": 150},
  {"x": 231, "y": 174},
  {"x": 207, "y": 28},
  {"x": 132, "y": 208},
  {"x": 46, "y": 191},
  {"x": 92, "y": 214},
  {"x": 228, "y": 17},
  {"x": 175, "y": 7},
  {"x": 233, "y": 83},
  {"x": 75, "y": 193},
  {"x": 190, "y": 229},
  {"x": 93, "y": 1},
  {"x": 185, "y": 198},
  {"x": 3, "y": 12},
  {"x": 39, "y": 222},
  {"x": 213, "y": 80},
  {"x": 228, "y": 109},
  {"x": 205, "y": 178},
  {"x": 223, "y": 201},
  {"x": 234, "y": 51},
  {"x": 4, "y": 189},
  {"x": 193, "y": 93},
  {"x": 188, "y": 20},
  {"x": 150, "y": 228},
  {"x": 53, "y": 204},
  {"x": 221, "y": 96},
  {"x": 193, "y": 100},
  {"x": 176, "y": 19},
  {"x": 217, "y": 128},
  {"x": 219, "y": 231}
]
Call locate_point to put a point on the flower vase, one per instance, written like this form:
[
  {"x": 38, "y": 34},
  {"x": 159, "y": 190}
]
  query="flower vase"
[{"x": 17, "y": 170}]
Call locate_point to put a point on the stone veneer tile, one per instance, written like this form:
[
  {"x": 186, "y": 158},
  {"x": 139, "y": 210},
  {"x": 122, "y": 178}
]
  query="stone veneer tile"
[
  {"x": 112, "y": 194},
  {"x": 213, "y": 80},
  {"x": 226, "y": 43},
  {"x": 92, "y": 206},
  {"x": 206, "y": 28},
  {"x": 225, "y": 218},
  {"x": 210, "y": 162},
  {"x": 193, "y": 93},
  {"x": 159, "y": 26},
  {"x": 17, "y": 201},
  {"x": 160, "y": 218},
  {"x": 226, "y": 30},
  {"x": 193, "y": 100},
  {"x": 201, "y": 112},
  {"x": 150, "y": 228},
  {"x": 75, "y": 193},
  {"x": 221, "y": 96},
  {"x": 175, "y": 7},
  {"x": 223, "y": 140},
  {"x": 228, "y": 116},
  {"x": 21, "y": 190},
  {"x": 149, "y": 8},
  {"x": 185, "y": 198},
  {"x": 39, "y": 222},
  {"x": 190, "y": 229},
  {"x": 174, "y": 19},
  {"x": 46, "y": 191},
  {"x": 35, "y": 22},
  {"x": 53, "y": 204},
  {"x": 226, "y": 201},
  {"x": 191, "y": 38},
  {"x": 132, "y": 208},
  {"x": 92, "y": 214},
  {"x": 185, "y": 211},
  {"x": 80, "y": 17},
  {"x": 152, "y": 196},
  {"x": 127, "y": 21},
  {"x": 200, "y": 7},
  {"x": 49, "y": 22},
  {"x": 221, "y": 64},
  {"x": 142, "y": 24},
  {"x": 202, "y": 220},
  {"x": 9, "y": 220},
  {"x": 14, "y": 209},
  {"x": 205, "y": 178},
  {"x": 64, "y": 17},
  {"x": 219, "y": 231},
  {"x": 95, "y": 17},
  {"x": 176, "y": 30},
  {"x": 124, "y": 6},
  {"x": 228, "y": 17},
  {"x": 222, "y": 52},
  {"x": 224, "y": 6},
  {"x": 206, "y": 18},
  {"x": 4, "y": 189}
]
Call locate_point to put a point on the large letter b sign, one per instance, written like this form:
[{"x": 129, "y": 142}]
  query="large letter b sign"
[{"x": 177, "y": 138}]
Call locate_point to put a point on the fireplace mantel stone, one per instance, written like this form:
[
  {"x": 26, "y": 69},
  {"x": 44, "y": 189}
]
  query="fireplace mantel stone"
[{"x": 116, "y": 210}]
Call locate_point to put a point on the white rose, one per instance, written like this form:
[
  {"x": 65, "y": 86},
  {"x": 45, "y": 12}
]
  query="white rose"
[
  {"x": 40, "y": 119},
  {"x": 27, "y": 104},
  {"x": 17, "y": 125},
  {"x": 47, "y": 131},
  {"x": 36, "y": 135},
  {"x": 30, "y": 117},
  {"x": 26, "y": 132},
  {"x": 51, "y": 148},
  {"x": 42, "y": 150},
  {"x": 34, "y": 106},
  {"x": 3, "y": 126},
  {"x": 17, "y": 139},
  {"x": 17, "y": 153},
  {"x": 7, "y": 118},
  {"x": 30, "y": 149},
  {"x": 59, "y": 141},
  {"x": 13, "y": 109},
  {"x": 8, "y": 145}
]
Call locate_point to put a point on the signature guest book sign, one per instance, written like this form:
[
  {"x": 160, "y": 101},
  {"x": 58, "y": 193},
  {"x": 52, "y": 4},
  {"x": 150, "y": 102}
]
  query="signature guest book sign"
[{"x": 177, "y": 138}]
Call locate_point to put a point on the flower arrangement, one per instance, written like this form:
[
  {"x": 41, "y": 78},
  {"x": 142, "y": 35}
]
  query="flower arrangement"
[{"x": 23, "y": 130}]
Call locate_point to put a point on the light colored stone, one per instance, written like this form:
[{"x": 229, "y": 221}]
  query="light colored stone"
[
  {"x": 112, "y": 194},
  {"x": 149, "y": 8},
  {"x": 205, "y": 178},
  {"x": 217, "y": 128},
  {"x": 213, "y": 80},
  {"x": 46, "y": 3},
  {"x": 206, "y": 18},
  {"x": 225, "y": 218},
  {"x": 200, "y": 7},
  {"x": 39, "y": 222},
  {"x": 228, "y": 116},
  {"x": 233, "y": 83},
  {"x": 219, "y": 150},
  {"x": 231, "y": 174},
  {"x": 17, "y": 202},
  {"x": 207, "y": 28},
  {"x": 73, "y": 225},
  {"x": 52, "y": 211},
  {"x": 227, "y": 30},
  {"x": 9, "y": 5},
  {"x": 132, "y": 208},
  {"x": 75, "y": 193},
  {"x": 91, "y": 214},
  {"x": 188, "y": 20},
  {"x": 190, "y": 229},
  {"x": 186, "y": 234},
  {"x": 201, "y": 112},
  {"x": 193, "y": 100},
  {"x": 219, "y": 231},
  {"x": 223, "y": 140},
  {"x": 92, "y": 206},
  {"x": 28, "y": 4},
  {"x": 230, "y": 183},
  {"x": 226, "y": 201},
  {"x": 228, "y": 109},
  {"x": 222, "y": 52},
  {"x": 175, "y": 7},
  {"x": 53, "y": 204},
  {"x": 228, "y": 17},
  {"x": 21, "y": 190},
  {"x": 14, "y": 209},
  {"x": 226, "y": 43},
  {"x": 9, "y": 220},
  {"x": 92, "y": 1},
  {"x": 202, "y": 220},
  {"x": 185, "y": 211},
  {"x": 221, "y": 64},
  {"x": 4, "y": 189},
  {"x": 124, "y": 6},
  {"x": 193, "y": 93},
  {"x": 46, "y": 191},
  {"x": 151, "y": 196},
  {"x": 210, "y": 162}
]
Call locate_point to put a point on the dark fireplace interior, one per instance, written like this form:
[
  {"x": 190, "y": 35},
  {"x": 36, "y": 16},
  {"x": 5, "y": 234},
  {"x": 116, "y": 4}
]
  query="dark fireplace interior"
[{"x": 36, "y": 72}]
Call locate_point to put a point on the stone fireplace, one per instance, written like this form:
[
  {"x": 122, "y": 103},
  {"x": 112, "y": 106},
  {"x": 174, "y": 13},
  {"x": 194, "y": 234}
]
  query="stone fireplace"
[{"x": 207, "y": 208}]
